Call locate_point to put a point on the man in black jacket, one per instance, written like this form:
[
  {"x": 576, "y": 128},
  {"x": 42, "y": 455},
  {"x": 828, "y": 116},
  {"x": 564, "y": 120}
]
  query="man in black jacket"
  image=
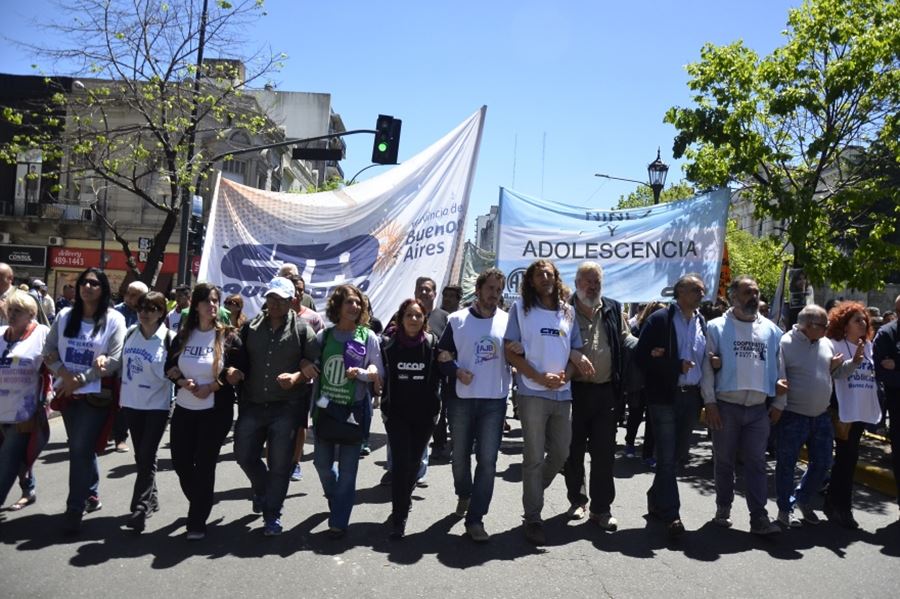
[
  {"x": 594, "y": 399},
  {"x": 887, "y": 371},
  {"x": 670, "y": 352}
]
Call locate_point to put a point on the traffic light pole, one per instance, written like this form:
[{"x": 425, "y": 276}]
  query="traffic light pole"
[{"x": 183, "y": 266}]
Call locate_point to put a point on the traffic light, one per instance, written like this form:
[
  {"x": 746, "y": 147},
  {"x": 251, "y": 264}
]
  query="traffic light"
[
  {"x": 196, "y": 232},
  {"x": 387, "y": 140}
]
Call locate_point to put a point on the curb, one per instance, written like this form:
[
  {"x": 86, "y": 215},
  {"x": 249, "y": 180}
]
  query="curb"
[{"x": 872, "y": 476}]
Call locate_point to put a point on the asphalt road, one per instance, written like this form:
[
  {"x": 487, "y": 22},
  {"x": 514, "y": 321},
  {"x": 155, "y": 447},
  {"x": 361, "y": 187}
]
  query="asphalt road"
[{"x": 434, "y": 560}]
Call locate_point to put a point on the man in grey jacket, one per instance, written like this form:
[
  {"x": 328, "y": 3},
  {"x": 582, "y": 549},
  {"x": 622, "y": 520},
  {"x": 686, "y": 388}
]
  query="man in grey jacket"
[{"x": 809, "y": 363}]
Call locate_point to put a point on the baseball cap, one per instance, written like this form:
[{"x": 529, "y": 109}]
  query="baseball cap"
[{"x": 282, "y": 287}]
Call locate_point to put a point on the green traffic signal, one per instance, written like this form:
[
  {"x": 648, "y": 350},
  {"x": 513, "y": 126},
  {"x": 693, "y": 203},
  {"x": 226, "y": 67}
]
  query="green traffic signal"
[{"x": 382, "y": 147}]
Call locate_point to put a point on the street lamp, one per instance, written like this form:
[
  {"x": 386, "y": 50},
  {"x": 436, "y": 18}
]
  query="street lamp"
[{"x": 657, "y": 171}]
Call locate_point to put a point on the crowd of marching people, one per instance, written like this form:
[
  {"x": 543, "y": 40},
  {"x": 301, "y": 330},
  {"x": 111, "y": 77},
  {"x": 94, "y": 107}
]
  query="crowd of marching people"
[{"x": 570, "y": 359}]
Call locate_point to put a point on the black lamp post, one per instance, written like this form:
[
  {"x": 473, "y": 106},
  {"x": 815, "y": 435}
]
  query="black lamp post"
[{"x": 657, "y": 171}]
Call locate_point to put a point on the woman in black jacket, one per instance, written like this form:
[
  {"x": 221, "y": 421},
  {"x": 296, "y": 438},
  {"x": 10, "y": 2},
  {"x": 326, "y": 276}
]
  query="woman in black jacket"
[
  {"x": 204, "y": 402},
  {"x": 410, "y": 405}
]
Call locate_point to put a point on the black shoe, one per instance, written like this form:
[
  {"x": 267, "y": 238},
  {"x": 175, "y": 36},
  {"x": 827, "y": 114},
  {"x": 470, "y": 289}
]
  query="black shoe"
[
  {"x": 137, "y": 521},
  {"x": 676, "y": 528},
  {"x": 386, "y": 479},
  {"x": 398, "y": 528},
  {"x": 72, "y": 522}
]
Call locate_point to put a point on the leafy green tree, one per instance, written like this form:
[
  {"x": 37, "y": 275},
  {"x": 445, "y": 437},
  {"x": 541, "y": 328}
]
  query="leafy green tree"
[
  {"x": 761, "y": 258},
  {"x": 643, "y": 196},
  {"x": 795, "y": 131},
  {"x": 150, "y": 104}
]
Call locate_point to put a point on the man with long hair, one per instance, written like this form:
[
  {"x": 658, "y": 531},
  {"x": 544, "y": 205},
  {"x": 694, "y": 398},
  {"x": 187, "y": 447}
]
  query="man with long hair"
[{"x": 542, "y": 325}]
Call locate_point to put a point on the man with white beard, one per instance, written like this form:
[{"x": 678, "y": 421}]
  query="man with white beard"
[{"x": 594, "y": 399}]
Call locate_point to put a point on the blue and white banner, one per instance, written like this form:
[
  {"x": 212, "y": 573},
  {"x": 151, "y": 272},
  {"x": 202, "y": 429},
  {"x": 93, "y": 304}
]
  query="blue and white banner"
[
  {"x": 379, "y": 234},
  {"x": 643, "y": 251}
]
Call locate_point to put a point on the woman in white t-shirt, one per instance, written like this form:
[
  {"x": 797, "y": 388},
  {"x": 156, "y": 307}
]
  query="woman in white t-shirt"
[
  {"x": 204, "y": 401},
  {"x": 145, "y": 397},
  {"x": 79, "y": 336},
  {"x": 23, "y": 383},
  {"x": 850, "y": 331}
]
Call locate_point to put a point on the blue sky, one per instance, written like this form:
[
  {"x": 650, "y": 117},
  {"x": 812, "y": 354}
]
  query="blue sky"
[{"x": 595, "y": 77}]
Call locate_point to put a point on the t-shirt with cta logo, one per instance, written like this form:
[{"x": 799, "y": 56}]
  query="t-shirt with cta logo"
[{"x": 196, "y": 362}]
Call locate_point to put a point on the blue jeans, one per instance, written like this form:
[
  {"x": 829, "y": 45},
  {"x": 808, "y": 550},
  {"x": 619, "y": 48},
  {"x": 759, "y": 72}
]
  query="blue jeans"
[
  {"x": 84, "y": 424},
  {"x": 744, "y": 428},
  {"x": 338, "y": 480},
  {"x": 673, "y": 424},
  {"x": 477, "y": 426},
  {"x": 793, "y": 431},
  {"x": 275, "y": 425},
  {"x": 12, "y": 457}
]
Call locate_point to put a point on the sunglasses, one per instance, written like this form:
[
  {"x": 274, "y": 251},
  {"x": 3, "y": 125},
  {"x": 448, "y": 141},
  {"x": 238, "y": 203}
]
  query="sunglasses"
[
  {"x": 232, "y": 303},
  {"x": 90, "y": 283},
  {"x": 149, "y": 308}
]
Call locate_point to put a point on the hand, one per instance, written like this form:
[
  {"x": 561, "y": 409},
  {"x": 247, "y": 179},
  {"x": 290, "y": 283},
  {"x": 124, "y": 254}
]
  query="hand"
[
  {"x": 836, "y": 361},
  {"x": 715, "y": 361},
  {"x": 860, "y": 352},
  {"x": 686, "y": 366},
  {"x": 286, "y": 380},
  {"x": 101, "y": 363},
  {"x": 309, "y": 370},
  {"x": 551, "y": 380},
  {"x": 657, "y": 352},
  {"x": 173, "y": 373},
  {"x": 190, "y": 385},
  {"x": 888, "y": 364},
  {"x": 515, "y": 347},
  {"x": 375, "y": 379},
  {"x": 201, "y": 391},
  {"x": 234, "y": 376},
  {"x": 444, "y": 356},
  {"x": 781, "y": 386},
  {"x": 464, "y": 376},
  {"x": 774, "y": 415},
  {"x": 585, "y": 368},
  {"x": 69, "y": 382},
  {"x": 713, "y": 419},
  {"x": 352, "y": 372}
]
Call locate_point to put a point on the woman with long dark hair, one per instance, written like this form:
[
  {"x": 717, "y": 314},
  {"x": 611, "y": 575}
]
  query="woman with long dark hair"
[
  {"x": 351, "y": 357},
  {"x": 410, "y": 404},
  {"x": 23, "y": 387},
  {"x": 856, "y": 394},
  {"x": 79, "y": 336},
  {"x": 145, "y": 397},
  {"x": 204, "y": 402}
]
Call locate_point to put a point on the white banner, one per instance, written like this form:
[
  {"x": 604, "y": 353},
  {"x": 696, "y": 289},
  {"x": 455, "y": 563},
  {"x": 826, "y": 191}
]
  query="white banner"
[
  {"x": 643, "y": 251},
  {"x": 379, "y": 234}
]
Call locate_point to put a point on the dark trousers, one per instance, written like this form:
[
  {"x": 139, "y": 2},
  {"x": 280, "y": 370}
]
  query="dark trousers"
[
  {"x": 892, "y": 404},
  {"x": 442, "y": 428},
  {"x": 196, "y": 438},
  {"x": 846, "y": 454},
  {"x": 120, "y": 428},
  {"x": 637, "y": 408},
  {"x": 408, "y": 437},
  {"x": 594, "y": 432},
  {"x": 146, "y": 428}
]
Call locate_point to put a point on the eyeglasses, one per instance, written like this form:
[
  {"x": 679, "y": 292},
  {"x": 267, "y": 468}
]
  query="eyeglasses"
[
  {"x": 233, "y": 304},
  {"x": 149, "y": 308},
  {"x": 823, "y": 325},
  {"x": 90, "y": 283}
]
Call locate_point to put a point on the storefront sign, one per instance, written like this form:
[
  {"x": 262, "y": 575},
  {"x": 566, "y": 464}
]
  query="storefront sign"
[
  {"x": 81, "y": 258},
  {"x": 23, "y": 255}
]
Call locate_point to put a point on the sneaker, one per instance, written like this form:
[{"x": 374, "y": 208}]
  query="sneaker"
[
  {"x": 630, "y": 452},
  {"x": 258, "y": 504},
  {"x": 477, "y": 532},
  {"x": 137, "y": 521},
  {"x": 422, "y": 483},
  {"x": 336, "y": 533},
  {"x": 71, "y": 522},
  {"x": 365, "y": 450},
  {"x": 297, "y": 473},
  {"x": 650, "y": 462},
  {"x": 534, "y": 532},
  {"x": 723, "y": 517},
  {"x": 122, "y": 447},
  {"x": 576, "y": 512},
  {"x": 398, "y": 528},
  {"x": 807, "y": 514},
  {"x": 788, "y": 520},
  {"x": 763, "y": 527},
  {"x": 462, "y": 506},
  {"x": 93, "y": 504},
  {"x": 605, "y": 521},
  {"x": 843, "y": 518},
  {"x": 676, "y": 528},
  {"x": 272, "y": 528},
  {"x": 195, "y": 535}
]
